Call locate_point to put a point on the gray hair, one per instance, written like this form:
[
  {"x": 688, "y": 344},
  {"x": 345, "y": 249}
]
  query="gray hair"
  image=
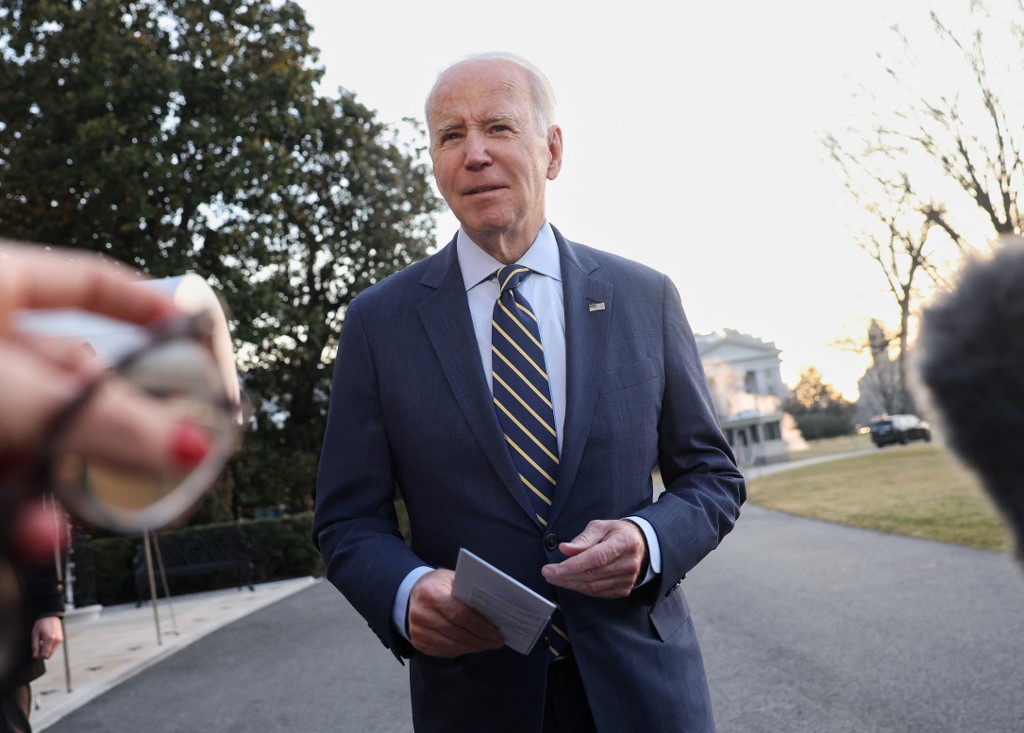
[{"x": 541, "y": 94}]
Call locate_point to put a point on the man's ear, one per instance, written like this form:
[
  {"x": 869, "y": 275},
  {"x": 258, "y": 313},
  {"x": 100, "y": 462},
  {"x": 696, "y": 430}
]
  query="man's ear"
[{"x": 554, "y": 151}]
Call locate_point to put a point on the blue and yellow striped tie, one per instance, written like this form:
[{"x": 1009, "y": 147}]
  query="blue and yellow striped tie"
[{"x": 522, "y": 399}]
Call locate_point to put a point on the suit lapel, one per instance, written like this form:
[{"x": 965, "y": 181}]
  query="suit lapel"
[
  {"x": 586, "y": 336},
  {"x": 448, "y": 324}
]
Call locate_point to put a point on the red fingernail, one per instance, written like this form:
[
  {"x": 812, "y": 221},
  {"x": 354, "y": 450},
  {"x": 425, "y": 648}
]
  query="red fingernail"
[{"x": 191, "y": 444}]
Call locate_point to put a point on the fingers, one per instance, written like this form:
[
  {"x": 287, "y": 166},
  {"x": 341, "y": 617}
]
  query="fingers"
[
  {"x": 32, "y": 390},
  {"x": 47, "y": 635},
  {"x": 591, "y": 535},
  {"x": 121, "y": 426},
  {"x": 31, "y": 277},
  {"x": 443, "y": 626},
  {"x": 68, "y": 354},
  {"x": 603, "y": 560}
]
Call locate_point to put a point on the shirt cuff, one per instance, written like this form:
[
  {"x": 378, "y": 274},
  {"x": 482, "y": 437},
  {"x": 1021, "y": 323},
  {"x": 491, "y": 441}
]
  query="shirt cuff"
[
  {"x": 400, "y": 606},
  {"x": 653, "y": 549}
]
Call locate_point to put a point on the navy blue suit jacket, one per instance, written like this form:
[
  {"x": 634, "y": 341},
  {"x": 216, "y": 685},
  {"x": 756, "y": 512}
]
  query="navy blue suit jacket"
[{"x": 410, "y": 410}]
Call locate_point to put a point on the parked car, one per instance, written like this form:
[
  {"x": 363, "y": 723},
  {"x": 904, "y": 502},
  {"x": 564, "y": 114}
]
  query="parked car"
[{"x": 899, "y": 429}]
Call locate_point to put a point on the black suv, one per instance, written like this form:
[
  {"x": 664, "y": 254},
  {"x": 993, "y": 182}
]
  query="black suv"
[{"x": 899, "y": 429}]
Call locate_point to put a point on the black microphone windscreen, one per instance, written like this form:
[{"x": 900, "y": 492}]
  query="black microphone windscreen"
[{"x": 970, "y": 358}]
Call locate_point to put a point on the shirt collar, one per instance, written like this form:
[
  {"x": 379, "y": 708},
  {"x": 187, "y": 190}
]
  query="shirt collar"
[{"x": 478, "y": 266}]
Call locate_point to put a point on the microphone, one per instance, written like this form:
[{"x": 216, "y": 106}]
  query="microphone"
[{"x": 970, "y": 360}]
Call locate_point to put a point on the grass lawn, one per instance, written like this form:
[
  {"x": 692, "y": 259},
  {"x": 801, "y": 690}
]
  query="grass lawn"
[{"x": 916, "y": 490}]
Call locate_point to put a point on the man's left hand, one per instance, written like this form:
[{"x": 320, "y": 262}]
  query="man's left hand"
[
  {"x": 47, "y": 635},
  {"x": 604, "y": 560}
]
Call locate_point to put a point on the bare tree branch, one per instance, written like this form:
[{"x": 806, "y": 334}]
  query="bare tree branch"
[{"x": 936, "y": 170}]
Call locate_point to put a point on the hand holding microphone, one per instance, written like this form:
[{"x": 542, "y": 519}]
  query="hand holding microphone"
[{"x": 130, "y": 444}]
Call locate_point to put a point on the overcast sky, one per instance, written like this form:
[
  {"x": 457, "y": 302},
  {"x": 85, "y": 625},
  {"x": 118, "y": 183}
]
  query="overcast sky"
[{"x": 692, "y": 140}]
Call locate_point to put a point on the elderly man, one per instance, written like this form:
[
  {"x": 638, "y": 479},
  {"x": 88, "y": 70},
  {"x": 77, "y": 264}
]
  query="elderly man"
[{"x": 518, "y": 389}]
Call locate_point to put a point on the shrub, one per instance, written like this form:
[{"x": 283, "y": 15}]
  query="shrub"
[
  {"x": 815, "y": 425},
  {"x": 112, "y": 569},
  {"x": 280, "y": 547}
]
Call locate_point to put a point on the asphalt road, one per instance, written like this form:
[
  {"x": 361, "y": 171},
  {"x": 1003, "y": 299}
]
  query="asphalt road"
[
  {"x": 306, "y": 664},
  {"x": 806, "y": 627},
  {"x": 810, "y": 627}
]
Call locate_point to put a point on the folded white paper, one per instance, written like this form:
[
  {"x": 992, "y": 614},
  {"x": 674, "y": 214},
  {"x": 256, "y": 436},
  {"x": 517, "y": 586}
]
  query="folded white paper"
[{"x": 520, "y": 614}]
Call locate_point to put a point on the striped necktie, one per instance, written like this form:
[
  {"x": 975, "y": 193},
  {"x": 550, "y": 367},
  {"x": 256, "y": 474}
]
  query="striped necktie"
[{"x": 522, "y": 400}]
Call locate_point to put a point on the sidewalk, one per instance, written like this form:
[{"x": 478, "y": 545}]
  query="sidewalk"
[
  {"x": 107, "y": 645},
  {"x": 756, "y": 472}
]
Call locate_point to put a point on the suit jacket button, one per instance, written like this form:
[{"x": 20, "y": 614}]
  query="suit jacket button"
[{"x": 550, "y": 542}]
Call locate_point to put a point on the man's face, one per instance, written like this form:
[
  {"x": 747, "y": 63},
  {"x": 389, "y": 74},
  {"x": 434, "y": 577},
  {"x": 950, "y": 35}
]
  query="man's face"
[{"x": 491, "y": 161}]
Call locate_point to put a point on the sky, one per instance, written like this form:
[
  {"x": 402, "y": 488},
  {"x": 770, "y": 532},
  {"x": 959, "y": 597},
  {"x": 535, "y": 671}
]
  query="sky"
[{"x": 692, "y": 141}]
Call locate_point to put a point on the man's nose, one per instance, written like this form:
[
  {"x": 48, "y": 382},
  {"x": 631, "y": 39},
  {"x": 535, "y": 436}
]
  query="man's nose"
[{"x": 477, "y": 154}]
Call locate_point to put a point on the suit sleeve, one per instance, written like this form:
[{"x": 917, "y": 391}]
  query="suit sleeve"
[
  {"x": 45, "y": 592},
  {"x": 703, "y": 487},
  {"x": 355, "y": 525}
]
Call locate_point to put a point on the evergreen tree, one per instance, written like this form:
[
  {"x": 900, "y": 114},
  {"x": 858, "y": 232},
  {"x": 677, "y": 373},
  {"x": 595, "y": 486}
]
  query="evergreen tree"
[{"x": 188, "y": 136}]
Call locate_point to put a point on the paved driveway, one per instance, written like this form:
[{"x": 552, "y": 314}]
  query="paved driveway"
[
  {"x": 810, "y": 626},
  {"x": 806, "y": 627}
]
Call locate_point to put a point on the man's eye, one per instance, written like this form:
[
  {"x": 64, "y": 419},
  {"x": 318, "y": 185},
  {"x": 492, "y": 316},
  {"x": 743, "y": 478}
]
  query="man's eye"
[
  {"x": 500, "y": 128},
  {"x": 449, "y": 136}
]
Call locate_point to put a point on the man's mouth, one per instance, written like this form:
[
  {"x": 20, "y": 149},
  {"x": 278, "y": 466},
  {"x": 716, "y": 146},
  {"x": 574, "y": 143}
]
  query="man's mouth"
[{"x": 482, "y": 189}]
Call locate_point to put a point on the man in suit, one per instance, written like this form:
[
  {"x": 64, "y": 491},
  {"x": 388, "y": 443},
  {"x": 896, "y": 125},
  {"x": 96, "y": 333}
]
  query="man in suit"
[{"x": 417, "y": 405}]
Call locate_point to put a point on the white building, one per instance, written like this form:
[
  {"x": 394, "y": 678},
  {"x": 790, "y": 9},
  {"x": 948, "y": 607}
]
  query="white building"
[{"x": 746, "y": 385}]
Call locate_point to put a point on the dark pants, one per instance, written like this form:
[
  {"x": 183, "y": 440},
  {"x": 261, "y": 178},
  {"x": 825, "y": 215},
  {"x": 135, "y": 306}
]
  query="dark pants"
[
  {"x": 566, "y": 709},
  {"x": 14, "y": 708}
]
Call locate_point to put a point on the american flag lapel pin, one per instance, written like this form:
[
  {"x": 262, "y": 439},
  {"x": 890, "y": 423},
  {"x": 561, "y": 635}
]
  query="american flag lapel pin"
[{"x": 595, "y": 307}]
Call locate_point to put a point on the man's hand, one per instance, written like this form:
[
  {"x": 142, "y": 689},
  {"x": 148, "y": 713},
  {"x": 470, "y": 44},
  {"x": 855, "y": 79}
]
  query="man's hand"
[
  {"x": 47, "y": 635},
  {"x": 604, "y": 561},
  {"x": 443, "y": 626}
]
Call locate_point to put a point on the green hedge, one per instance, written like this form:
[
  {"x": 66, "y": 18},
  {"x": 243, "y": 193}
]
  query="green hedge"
[
  {"x": 281, "y": 548},
  {"x": 818, "y": 425}
]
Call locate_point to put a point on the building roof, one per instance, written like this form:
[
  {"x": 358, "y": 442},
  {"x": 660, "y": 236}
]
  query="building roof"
[{"x": 708, "y": 343}]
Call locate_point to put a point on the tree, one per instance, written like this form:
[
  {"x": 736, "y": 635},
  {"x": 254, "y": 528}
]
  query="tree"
[
  {"x": 356, "y": 212},
  {"x": 181, "y": 135},
  {"x": 973, "y": 137},
  {"x": 812, "y": 394},
  {"x": 951, "y": 148},
  {"x": 900, "y": 243},
  {"x": 938, "y": 168},
  {"x": 881, "y": 388},
  {"x": 138, "y": 128},
  {"x": 819, "y": 410}
]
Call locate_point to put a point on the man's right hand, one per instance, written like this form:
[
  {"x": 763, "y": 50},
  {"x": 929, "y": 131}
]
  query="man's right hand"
[{"x": 443, "y": 626}]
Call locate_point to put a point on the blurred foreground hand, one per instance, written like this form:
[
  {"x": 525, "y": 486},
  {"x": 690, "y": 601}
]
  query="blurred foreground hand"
[{"x": 41, "y": 375}]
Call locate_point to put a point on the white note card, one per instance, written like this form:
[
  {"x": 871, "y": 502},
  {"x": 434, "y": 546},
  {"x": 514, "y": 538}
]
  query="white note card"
[{"x": 519, "y": 613}]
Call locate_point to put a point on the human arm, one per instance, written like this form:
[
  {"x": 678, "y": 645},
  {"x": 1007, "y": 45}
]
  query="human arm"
[
  {"x": 46, "y": 604},
  {"x": 703, "y": 486},
  {"x": 355, "y": 525}
]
